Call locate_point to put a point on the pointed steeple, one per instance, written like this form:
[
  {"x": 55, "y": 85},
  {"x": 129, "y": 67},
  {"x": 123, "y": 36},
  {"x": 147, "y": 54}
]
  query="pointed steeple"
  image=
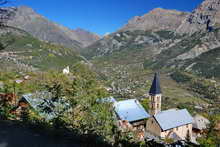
[{"x": 155, "y": 87}]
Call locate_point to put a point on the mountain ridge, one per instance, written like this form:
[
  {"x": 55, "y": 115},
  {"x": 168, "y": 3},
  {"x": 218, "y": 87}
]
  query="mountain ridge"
[
  {"x": 156, "y": 19},
  {"x": 42, "y": 28},
  {"x": 21, "y": 51}
]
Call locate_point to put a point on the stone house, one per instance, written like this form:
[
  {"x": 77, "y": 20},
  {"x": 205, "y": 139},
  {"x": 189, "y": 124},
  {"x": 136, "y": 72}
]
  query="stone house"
[
  {"x": 130, "y": 115},
  {"x": 173, "y": 123},
  {"x": 200, "y": 125}
]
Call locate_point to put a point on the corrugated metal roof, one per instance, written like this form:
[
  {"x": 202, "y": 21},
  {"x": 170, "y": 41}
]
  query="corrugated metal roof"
[
  {"x": 46, "y": 107},
  {"x": 130, "y": 110},
  {"x": 173, "y": 118},
  {"x": 107, "y": 100}
]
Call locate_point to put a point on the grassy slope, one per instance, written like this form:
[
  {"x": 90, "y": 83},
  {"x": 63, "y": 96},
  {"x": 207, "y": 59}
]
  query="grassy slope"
[
  {"x": 139, "y": 80},
  {"x": 130, "y": 45},
  {"x": 39, "y": 54},
  {"x": 125, "y": 68},
  {"x": 132, "y": 53},
  {"x": 207, "y": 64}
]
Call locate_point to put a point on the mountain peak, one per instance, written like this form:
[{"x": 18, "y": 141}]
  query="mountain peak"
[
  {"x": 204, "y": 17},
  {"x": 40, "y": 27},
  {"x": 79, "y": 30},
  {"x": 25, "y": 8},
  {"x": 162, "y": 11},
  {"x": 156, "y": 19},
  {"x": 86, "y": 37},
  {"x": 156, "y": 10}
]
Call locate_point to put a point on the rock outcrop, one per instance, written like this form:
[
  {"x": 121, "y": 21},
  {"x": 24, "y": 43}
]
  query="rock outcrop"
[
  {"x": 204, "y": 18},
  {"x": 85, "y": 37}
]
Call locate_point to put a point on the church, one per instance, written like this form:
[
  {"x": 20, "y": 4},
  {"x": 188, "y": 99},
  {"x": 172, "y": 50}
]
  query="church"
[{"x": 172, "y": 123}]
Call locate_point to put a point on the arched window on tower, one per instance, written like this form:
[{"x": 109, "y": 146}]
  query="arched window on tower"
[
  {"x": 158, "y": 99},
  {"x": 153, "y": 99}
]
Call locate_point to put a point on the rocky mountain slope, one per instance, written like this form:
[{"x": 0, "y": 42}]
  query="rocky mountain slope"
[
  {"x": 165, "y": 39},
  {"x": 196, "y": 53},
  {"x": 205, "y": 17},
  {"x": 86, "y": 38},
  {"x": 157, "y": 19},
  {"x": 154, "y": 28},
  {"x": 131, "y": 41},
  {"x": 38, "y": 26}
]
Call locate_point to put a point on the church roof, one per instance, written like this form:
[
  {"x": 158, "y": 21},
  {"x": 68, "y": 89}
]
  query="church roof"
[
  {"x": 173, "y": 118},
  {"x": 130, "y": 110},
  {"x": 155, "y": 87}
]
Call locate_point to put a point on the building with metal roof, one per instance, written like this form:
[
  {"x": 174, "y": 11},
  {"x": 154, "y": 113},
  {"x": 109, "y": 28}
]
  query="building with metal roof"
[
  {"x": 200, "y": 125},
  {"x": 172, "y": 123},
  {"x": 173, "y": 118},
  {"x": 107, "y": 100},
  {"x": 130, "y": 110},
  {"x": 200, "y": 122},
  {"x": 45, "y": 105}
]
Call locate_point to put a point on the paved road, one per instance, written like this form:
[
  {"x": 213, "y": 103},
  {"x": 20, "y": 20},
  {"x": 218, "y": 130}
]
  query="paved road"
[{"x": 14, "y": 135}]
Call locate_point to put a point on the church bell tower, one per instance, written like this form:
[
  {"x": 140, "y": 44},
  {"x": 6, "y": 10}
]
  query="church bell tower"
[{"x": 155, "y": 96}]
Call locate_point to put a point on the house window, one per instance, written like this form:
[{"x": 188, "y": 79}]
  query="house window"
[
  {"x": 152, "y": 121},
  {"x": 177, "y": 128},
  {"x": 187, "y": 126},
  {"x": 157, "y": 105}
]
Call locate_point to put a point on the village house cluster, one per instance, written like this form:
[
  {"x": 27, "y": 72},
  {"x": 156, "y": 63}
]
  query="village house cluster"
[{"x": 157, "y": 124}]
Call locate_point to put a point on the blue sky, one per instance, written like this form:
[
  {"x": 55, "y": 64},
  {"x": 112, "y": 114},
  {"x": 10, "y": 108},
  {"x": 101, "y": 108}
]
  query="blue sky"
[{"x": 101, "y": 16}]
